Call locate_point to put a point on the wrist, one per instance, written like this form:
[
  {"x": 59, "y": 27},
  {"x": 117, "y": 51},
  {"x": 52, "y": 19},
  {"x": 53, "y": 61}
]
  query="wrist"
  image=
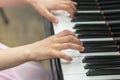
[
  {"x": 23, "y": 53},
  {"x": 30, "y": 1},
  {"x": 28, "y": 53}
]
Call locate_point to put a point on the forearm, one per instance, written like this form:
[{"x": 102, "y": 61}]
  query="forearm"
[
  {"x": 7, "y": 3},
  {"x": 12, "y": 57}
]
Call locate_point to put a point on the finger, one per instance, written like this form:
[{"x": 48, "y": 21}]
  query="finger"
[
  {"x": 74, "y": 4},
  {"x": 66, "y": 57},
  {"x": 74, "y": 7},
  {"x": 58, "y": 54},
  {"x": 46, "y": 13},
  {"x": 70, "y": 39},
  {"x": 50, "y": 17},
  {"x": 71, "y": 46},
  {"x": 70, "y": 7},
  {"x": 71, "y": 4},
  {"x": 65, "y": 33},
  {"x": 67, "y": 8}
]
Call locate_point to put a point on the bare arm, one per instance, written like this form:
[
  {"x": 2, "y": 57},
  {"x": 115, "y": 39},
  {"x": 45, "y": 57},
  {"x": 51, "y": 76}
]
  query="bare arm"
[
  {"x": 8, "y": 3},
  {"x": 12, "y": 57},
  {"x": 45, "y": 49}
]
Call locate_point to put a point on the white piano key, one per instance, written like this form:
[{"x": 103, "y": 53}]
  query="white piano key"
[
  {"x": 99, "y": 53},
  {"x": 72, "y": 53},
  {"x": 73, "y": 68},
  {"x": 84, "y": 77}
]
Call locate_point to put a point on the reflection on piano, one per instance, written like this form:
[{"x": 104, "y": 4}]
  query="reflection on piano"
[{"x": 97, "y": 24}]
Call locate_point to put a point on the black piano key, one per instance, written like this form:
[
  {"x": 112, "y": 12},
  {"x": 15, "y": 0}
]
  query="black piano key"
[
  {"x": 83, "y": 0},
  {"x": 109, "y": 3},
  {"x": 96, "y": 72},
  {"x": 85, "y": 8},
  {"x": 116, "y": 24},
  {"x": 98, "y": 35},
  {"x": 115, "y": 30},
  {"x": 118, "y": 42},
  {"x": 95, "y": 29},
  {"x": 113, "y": 17},
  {"x": 87, "y": 17},
  {"x": 116, "y": 34},
  {"x": 81, "y": 3},
  {"x": 82, "y": 19},
  {"x": 91, "y": 31},
  {"x": 112, "y": 13},
  {"x": 97, "y": 43},
  {"x": 102, "y": 65},
  {"x": 104, "y": 35},
  {"x": 85, "y": 5},
  {"x": 100, "y": 49},
  {"x": 110, "y": 7},
  {"x": 101, "y": 59},
  {"x": 90, "y": 26}
]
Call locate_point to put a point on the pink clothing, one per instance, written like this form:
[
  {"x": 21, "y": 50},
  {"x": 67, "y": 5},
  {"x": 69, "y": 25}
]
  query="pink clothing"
[
  {"x": 27, "y": 71},
  {"x": 8, "y": 74}
]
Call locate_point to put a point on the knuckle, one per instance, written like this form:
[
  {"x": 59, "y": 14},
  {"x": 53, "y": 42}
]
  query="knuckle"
[
  {"x": 66, "y": 31},
  {"x": 78, "y": 47},
  {"x": 52, "y": 51},
  {"x": 69, "y": 1},
  {"x": 54, "y": 39},
  {"x": 67, "y": 7},
  {"x": 58, "y": 56},
  {"x": 61, "y": 55},
  {"x": 68, "y": 45},
  {"x": 70, "y": 37}
]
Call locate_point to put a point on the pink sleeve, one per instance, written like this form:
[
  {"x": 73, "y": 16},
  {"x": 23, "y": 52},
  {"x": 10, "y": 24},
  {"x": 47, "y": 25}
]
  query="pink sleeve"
[
  {"x": 8, "y": 74},
  {"x": 27, "y": 71}
]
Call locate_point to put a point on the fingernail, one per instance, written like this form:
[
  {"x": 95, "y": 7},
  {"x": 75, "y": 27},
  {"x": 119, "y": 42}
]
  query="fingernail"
[
  {"x": 75, "y": 3},
  {"x": 81, "y": 43},
  {"x": 71, "y": 17},
  {"x": 70, "y": 59},
  {"x": 83, "y": 48},
  {"x": 56, "y": 21}
]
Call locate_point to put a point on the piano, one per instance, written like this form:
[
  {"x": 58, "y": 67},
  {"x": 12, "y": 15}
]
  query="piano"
[{"x": 97, "y": 24}]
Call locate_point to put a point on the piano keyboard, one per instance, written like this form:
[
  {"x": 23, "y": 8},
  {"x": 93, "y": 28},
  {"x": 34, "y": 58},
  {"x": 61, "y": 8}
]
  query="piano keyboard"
[{"x": 97, "y": 24}]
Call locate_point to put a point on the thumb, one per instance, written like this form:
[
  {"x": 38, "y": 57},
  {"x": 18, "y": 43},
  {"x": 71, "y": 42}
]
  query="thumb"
[
  {"x": 46, "y": 13},
  {"x": 50, "y": 16}
]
